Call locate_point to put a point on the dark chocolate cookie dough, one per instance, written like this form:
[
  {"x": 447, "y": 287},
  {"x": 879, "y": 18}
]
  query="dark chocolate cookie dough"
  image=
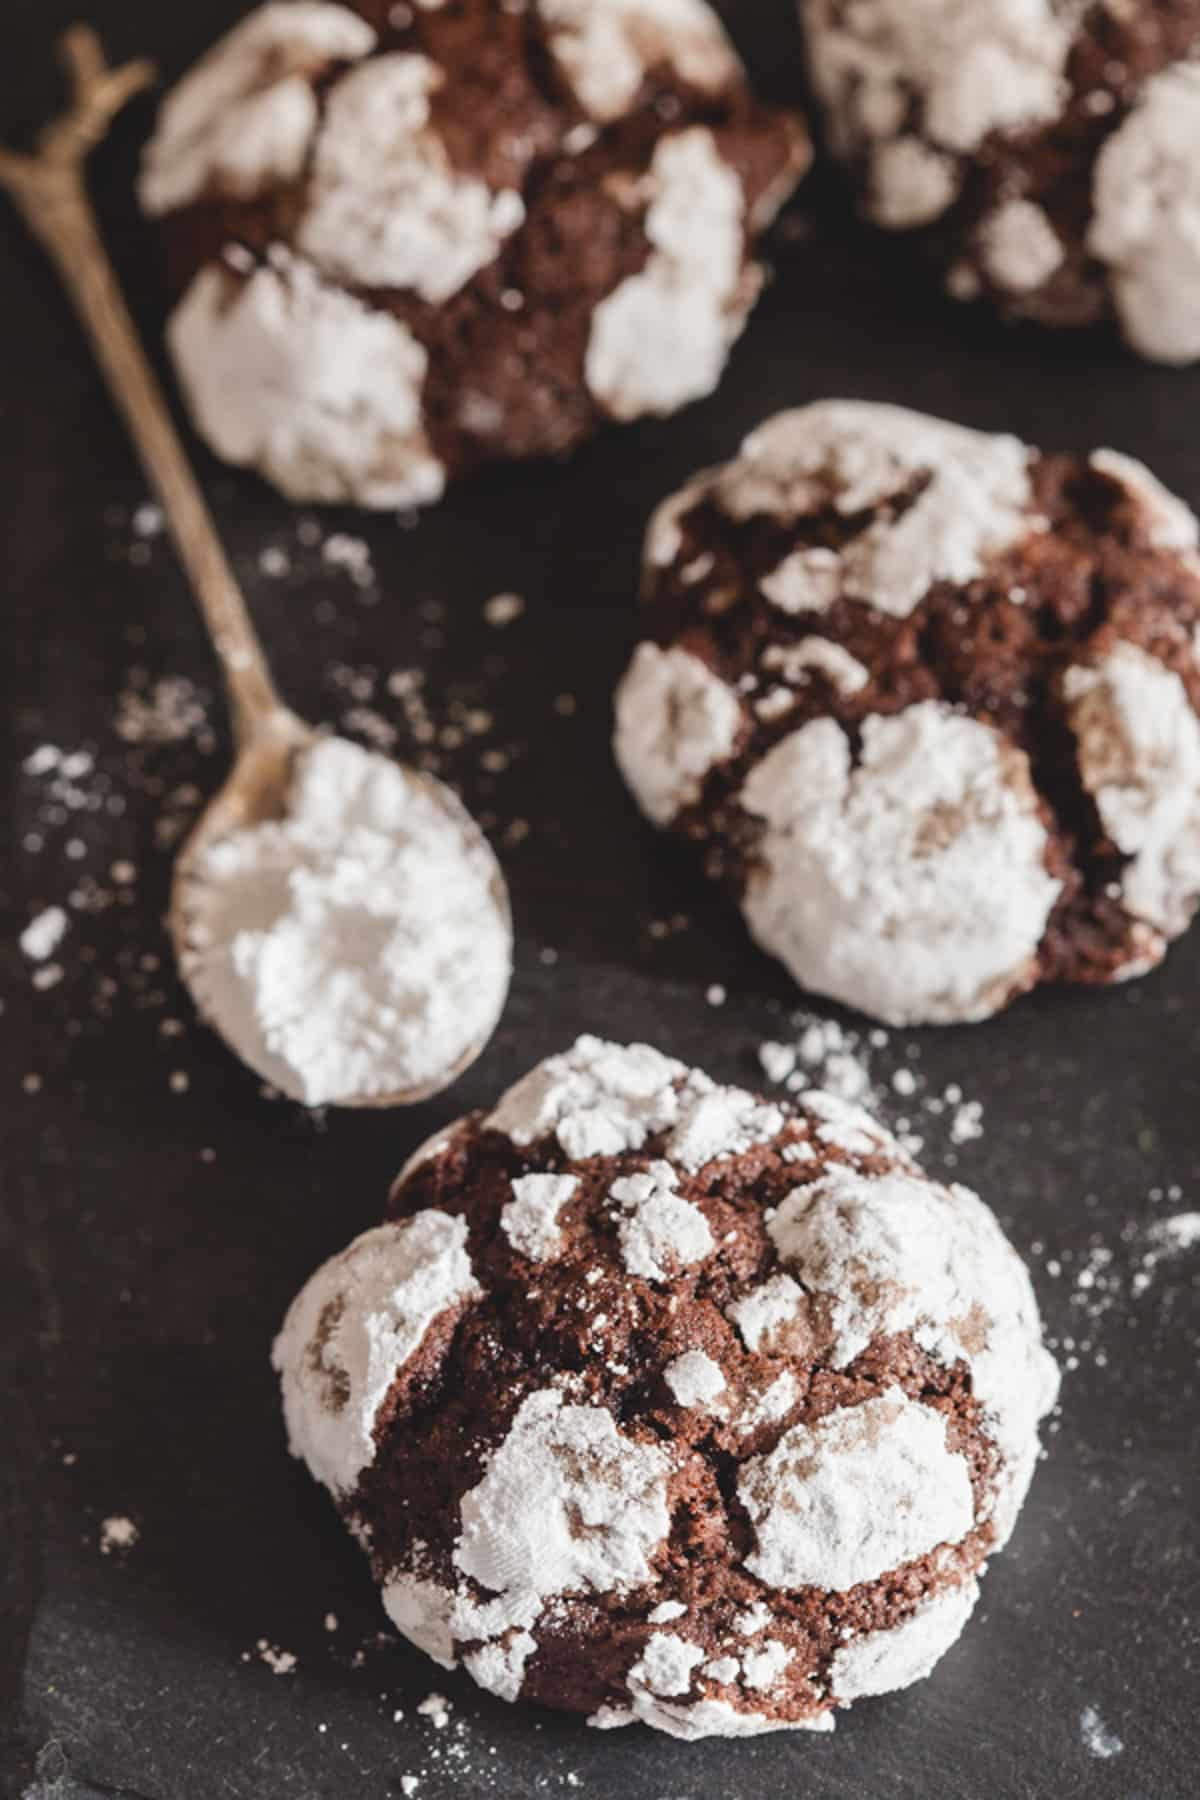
[
  {"x": 1047, "y": 150},
  {"x": 927, "y": 701},
  {"x": 411, "y": 239},
  {"x": 656, "y": 1400}
]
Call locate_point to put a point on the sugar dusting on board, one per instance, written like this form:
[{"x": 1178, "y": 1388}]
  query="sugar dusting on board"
[
  {"x": 357, "y": 948},
  {"x": 97, "y": 813}
]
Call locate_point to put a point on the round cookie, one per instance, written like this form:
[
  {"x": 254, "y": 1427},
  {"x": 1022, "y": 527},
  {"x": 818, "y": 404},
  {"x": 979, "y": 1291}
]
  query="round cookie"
[
  {"x": 412, "y": 239},
  {"x": 656, "y": 1400},
  {"x": 1049, "y": 150},
  {"x": 926, "y": 700}
]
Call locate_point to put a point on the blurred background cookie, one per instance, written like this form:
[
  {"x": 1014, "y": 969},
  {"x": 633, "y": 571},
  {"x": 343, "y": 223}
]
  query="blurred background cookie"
[
  {"x": 411, "y": 239},
  {"x": 1048, "y": 150}
]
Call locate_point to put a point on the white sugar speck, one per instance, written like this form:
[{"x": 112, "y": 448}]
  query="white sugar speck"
[
  {"x": 1098, "y": 1740},
  {"x": 117, "y": 1534},
  {"x": 42, "y": 936}
]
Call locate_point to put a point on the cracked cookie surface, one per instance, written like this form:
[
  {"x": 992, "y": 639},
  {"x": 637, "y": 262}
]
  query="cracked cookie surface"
[
  {"x": 926, "y": 701},
  {"x": 654, "y": 1400}
]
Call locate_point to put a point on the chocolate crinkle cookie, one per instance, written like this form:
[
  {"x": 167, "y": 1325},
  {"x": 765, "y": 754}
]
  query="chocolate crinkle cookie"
[
  {"x": 656, "y": 1400},
  {"x": 412, "y": 239},
  {"x": 1049, "y": 150},
  {"x": 926, "y": 700}
]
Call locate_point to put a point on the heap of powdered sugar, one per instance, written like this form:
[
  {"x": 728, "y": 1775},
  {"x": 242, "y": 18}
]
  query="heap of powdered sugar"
[{"x": 359, "y": 947}]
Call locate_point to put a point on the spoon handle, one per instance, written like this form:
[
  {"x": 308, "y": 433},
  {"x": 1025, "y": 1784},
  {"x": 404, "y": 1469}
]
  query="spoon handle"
[{"x": 48, "y": 189}]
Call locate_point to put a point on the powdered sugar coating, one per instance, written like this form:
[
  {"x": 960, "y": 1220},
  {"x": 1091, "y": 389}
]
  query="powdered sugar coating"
[
  {"x": 246, "y": 115},
  {"x": 912, "y": 884},
  {"x": 385, "y": 207},
  {"x": 881, "y": 1661},
  {"x": 294, "y": 377},
  {"x": 862, "y": 1491},
  {"x": 597, "y": 1098},
  {"x": 606, "y": 47},
  {"x": 694, "y": 1380},
  {"x": 1146, "y": 217},
  {"x": 962, "y": 68},
  {"x": 662, "y": 337},
  {"x": 351, "y": 1330},
  {"x": 530, "y": 1220},
  {"x": 660, "y": 1233},
  {"x": 702, "y": 1719},
  {"x": 675, "y": 721},
  {"x": 761, "y": 1313},
  {"x": 1019, "y": 246},
  {"x": 561, "y": 1468},
  {"x": 1139, "y": 755},
  {"x": 896, "y": 1253},
  {"x": 972, "y": 499}
]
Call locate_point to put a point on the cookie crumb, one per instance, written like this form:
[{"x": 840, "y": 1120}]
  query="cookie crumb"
[
  {"x": 1098, "y": 1740},
  {"x": 503, "y": 609},
  {"x": 118, "y": 1535}
]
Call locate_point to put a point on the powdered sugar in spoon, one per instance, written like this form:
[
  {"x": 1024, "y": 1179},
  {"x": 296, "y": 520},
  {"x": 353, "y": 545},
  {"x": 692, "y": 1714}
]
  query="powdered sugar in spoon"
[{"x": 341, "y": 920}]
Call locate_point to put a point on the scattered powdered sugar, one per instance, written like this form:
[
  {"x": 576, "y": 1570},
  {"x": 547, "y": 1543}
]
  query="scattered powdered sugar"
[
  {"x": 868, "y": 1067},
  {"x": 879, "y": 1662},
  {"x": 117, "y": 1535},
  {"x": 1146, "y": 216},
  {"x": 1139, "y": 755},
  {"x": 858, "y": 1493},
  {"x": 695, "y": 1380},
  {"x": 675, "y": 720},
  {"x": 44, "y": 933},
  {"x": 568, "y": 1502},
  {"x": 280, "y": 1662},
  {"x": 1104, "y": 1281},
  {"x": 436, "y": 1708},
  {"x": 966, "y": 499},
  {"x": 662, "y": 336},
  {"x": 358, "y": 947},
  {"x": 293, "y": 376},
  {"x": 530, "y": 1219},
  {"x": 163, "y": 711},
  {"x": 353, "y": 1327},
  {"x": 665, "y": 1612},
  {"x": 606, "y": 47},
  {"x": 1097, "y": 1739},
  {"x": 911, "y": 885},
  {"x": 660, "y": 1232}
]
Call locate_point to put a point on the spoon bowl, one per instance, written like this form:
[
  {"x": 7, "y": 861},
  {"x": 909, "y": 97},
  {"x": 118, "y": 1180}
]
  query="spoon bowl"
[{"x": 257, "y": 793}]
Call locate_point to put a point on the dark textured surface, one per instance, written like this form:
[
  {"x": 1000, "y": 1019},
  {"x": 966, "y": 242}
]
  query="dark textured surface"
[{"x": 142, "y": 1283}]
